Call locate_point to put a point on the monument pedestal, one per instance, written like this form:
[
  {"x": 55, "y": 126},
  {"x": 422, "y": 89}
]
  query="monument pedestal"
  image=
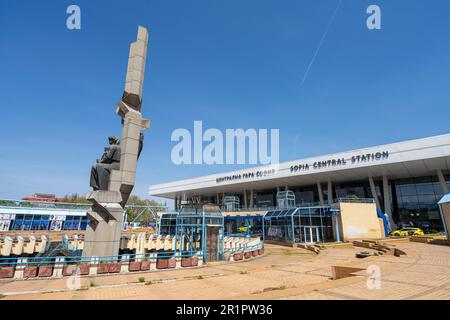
[{"x": 102, "y": 237}]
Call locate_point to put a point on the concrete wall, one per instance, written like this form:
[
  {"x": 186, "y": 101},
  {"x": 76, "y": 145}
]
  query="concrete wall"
[{"x": 359, "y": 221}]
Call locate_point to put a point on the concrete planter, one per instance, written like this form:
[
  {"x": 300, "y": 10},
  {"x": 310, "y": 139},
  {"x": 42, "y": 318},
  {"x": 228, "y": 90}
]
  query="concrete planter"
[
  {"x": 172, "y": 263},
  {"x": 162, "y": 263},
  {"x": 238, "y": 256},
  {"x": 71, "y": 269},
  {"x": 102, "y": 268},
  {"x": 248, "y": 255},
  {"x": 166, "y": 263},
  {"x": 255, "y": 253},
  {"x": 45, "y": 271},
  {"x": 114, "y": 267},
  {"x": 134, "y": 266},
  {"x": 145, "y": 265},
  {"x": 186, "y": 262},
  {"x": 30, "y": 271},
  {"x": 7, "y": 272}
]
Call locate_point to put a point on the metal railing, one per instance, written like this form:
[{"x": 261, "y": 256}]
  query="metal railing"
[
  {"x": 306, "y": 204},
  {"x": 38, "y": 261},
  {"x": 8, "y": 203}
]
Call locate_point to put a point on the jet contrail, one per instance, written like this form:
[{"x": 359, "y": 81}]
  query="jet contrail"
[{"x": 321, "y": 41}]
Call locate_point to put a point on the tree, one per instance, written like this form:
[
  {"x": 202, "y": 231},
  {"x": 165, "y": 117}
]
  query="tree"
[
  {"x": 145, "y": 217},
  {"x": 75, "y": 198}
]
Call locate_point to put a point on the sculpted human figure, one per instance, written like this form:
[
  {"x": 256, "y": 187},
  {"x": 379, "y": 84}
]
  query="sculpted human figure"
[{"x": 110, "y": 160}]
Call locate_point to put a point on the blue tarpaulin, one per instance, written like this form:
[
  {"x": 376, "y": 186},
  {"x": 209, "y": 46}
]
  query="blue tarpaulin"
[{"x": 381, "y": 215}]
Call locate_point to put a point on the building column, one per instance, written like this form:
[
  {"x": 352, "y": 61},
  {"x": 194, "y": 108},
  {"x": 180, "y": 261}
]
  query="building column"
[
  {"x": 251, "y": 198},
  {"x": 176, "y": 203},
  {"x": 245, "y": 199},
  {"x": 319, "y": 190},
  {"x": 217, "y": 199},
  {"x": 374, "y": 192},
  {"x": 330, "y": 192},
  {"x": 387, "y": 203},
  {"x": 441, "y": 177}
]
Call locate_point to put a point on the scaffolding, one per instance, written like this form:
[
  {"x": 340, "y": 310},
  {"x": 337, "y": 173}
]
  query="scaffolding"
[{"x": 301, "y": 225}]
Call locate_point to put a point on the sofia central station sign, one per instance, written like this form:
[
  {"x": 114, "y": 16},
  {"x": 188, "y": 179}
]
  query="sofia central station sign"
[
  {"x": 330, "y": 163},
  {"x": 316, "y": 165}
]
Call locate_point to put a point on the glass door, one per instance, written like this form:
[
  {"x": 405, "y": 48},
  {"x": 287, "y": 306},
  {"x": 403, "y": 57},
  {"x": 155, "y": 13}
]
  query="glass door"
[{"x": 311, "y": 234}]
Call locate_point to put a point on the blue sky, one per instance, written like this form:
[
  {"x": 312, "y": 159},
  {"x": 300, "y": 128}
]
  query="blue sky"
[{"x": 231, "y": 64}]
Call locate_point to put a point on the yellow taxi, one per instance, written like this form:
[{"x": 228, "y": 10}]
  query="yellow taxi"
[
  {"x": 244, "y": 228},
  {"x": 406, "y": 232}
]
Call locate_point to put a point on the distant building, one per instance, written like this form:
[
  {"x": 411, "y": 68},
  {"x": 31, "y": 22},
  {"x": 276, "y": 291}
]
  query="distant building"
[{"x": 43, "y": 197}]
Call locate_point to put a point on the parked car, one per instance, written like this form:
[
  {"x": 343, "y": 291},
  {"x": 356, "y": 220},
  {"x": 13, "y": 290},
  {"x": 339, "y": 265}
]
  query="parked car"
[
  {"x": 406, "y": 232},
  {"x": 244, "y": 228}
]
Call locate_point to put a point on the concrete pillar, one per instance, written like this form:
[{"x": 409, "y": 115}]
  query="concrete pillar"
[
  {"x": 94, "y": 266},
  {"x": 245, "y": 199},
  {"x": 177, "y": 262},
  {"x": 441, "y": 177},
  {"x": 58, "y": 269},
  {"x": 330, "y": 192},
  {"x": 251, "y": 198},
  {"x": 217, "y": 199},
  {"x": 124, "y": 263},
  {"x": 176, "y": 203},
  {"x": 319, "y": 191},
  {"x": 200, "y": 258},
  {"x": 152, "y": 257},
  {"x": 387, "y": 203},
  {"x": 286, "y": 188},
  {"x": 278, "y": 189},
  {"x": 373, "y": 190},
  {"x": 20, "y": 266}
]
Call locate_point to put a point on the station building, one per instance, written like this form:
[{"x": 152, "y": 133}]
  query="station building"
[{"x": 406, "y": 180}]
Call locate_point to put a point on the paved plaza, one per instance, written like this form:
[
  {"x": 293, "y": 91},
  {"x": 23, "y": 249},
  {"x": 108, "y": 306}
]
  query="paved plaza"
[{"x": 283, "y": 273}]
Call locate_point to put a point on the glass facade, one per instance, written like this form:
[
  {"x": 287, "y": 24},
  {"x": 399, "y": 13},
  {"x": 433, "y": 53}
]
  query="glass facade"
[
  {"x": 48, "y": 222},
  {"x": 415, "y": 203},
  {"x": 300, "y": 225}
]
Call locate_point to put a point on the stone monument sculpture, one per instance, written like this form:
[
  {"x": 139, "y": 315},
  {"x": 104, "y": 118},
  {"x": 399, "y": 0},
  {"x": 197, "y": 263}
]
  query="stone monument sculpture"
[
  {"x": 110, "y": 160},
  {"x": 113, "y": 177}
]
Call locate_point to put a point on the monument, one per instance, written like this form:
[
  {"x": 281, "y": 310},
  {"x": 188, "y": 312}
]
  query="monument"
[{"x": 113, "y": 177}]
